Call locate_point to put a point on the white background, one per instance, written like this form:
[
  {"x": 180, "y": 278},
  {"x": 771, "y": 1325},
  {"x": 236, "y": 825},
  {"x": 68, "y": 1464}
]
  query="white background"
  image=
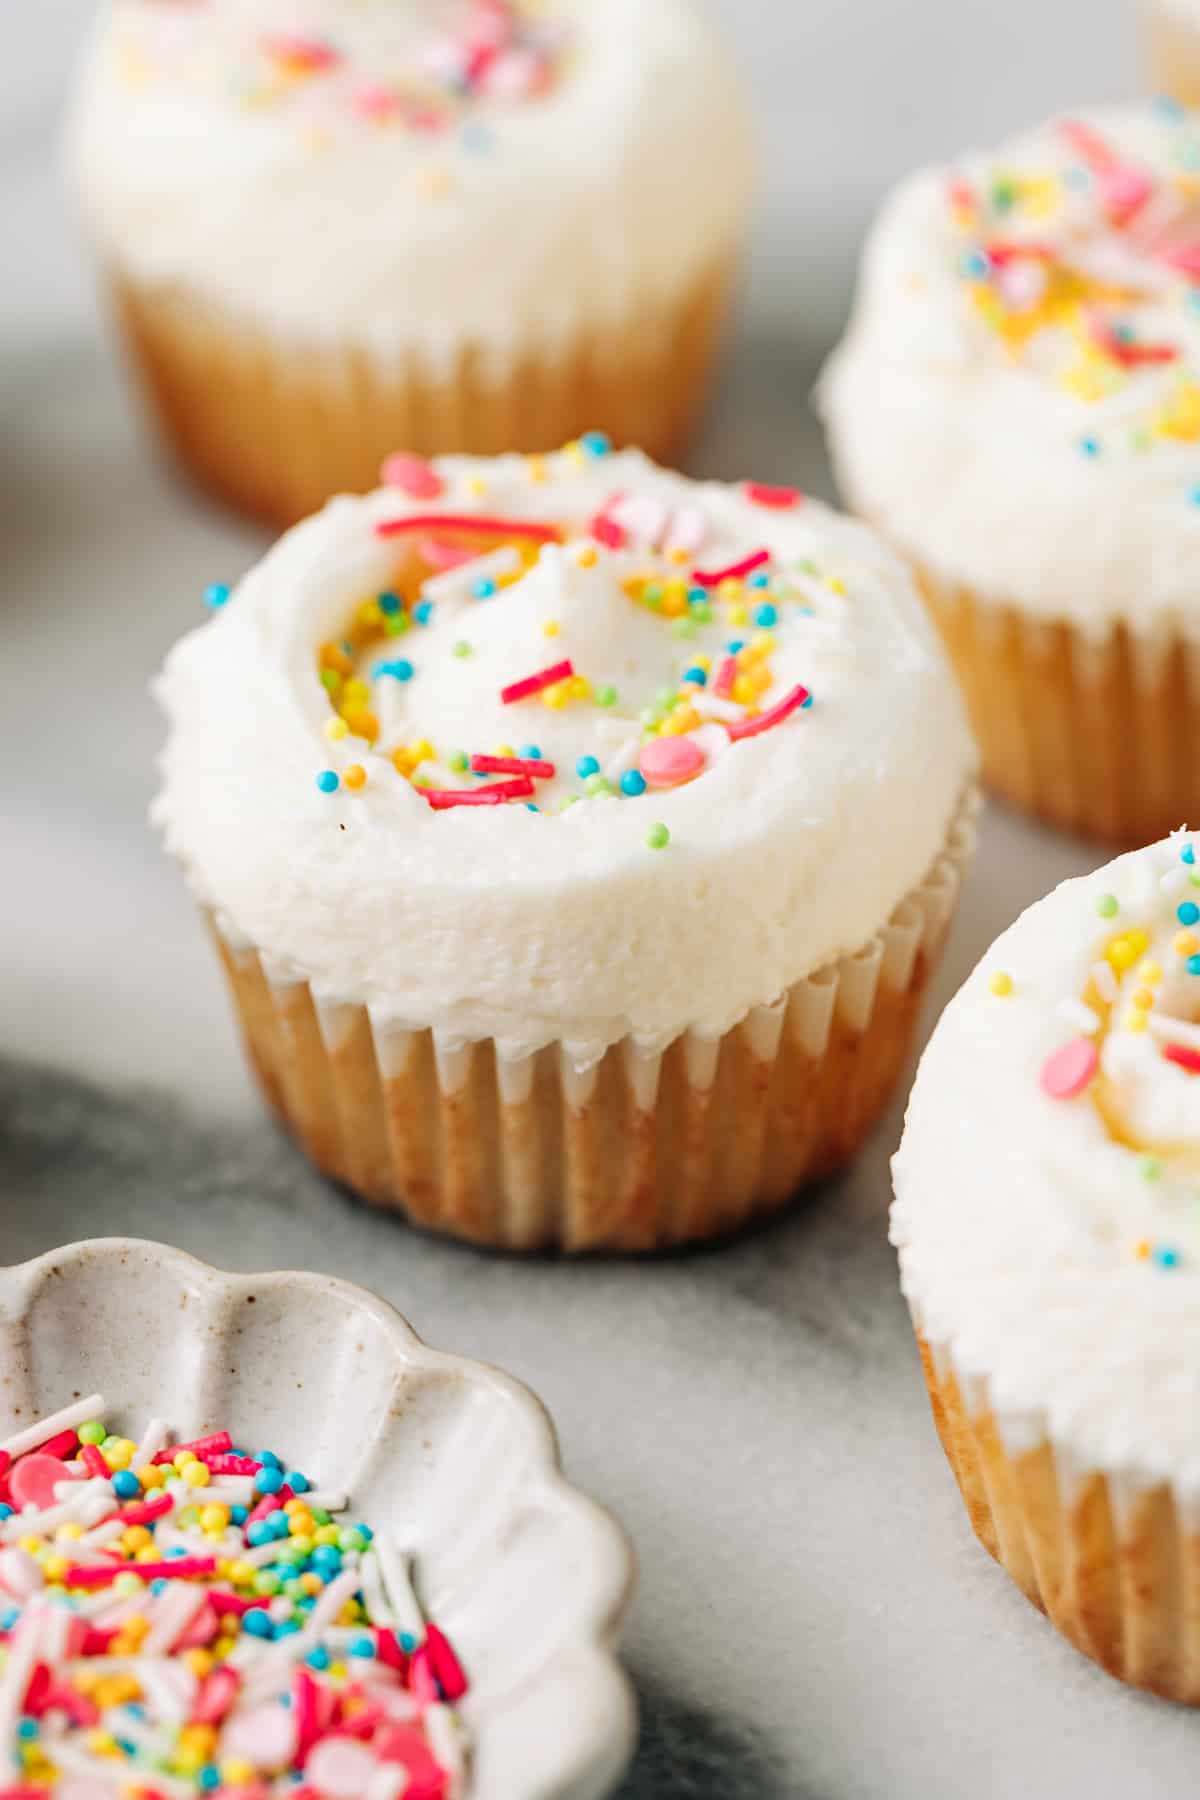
[{"x": 814, "y": 1616}]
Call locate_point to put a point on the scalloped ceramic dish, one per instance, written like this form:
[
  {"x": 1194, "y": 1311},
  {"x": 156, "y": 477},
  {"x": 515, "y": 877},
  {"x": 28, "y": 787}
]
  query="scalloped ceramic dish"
[{"x": 529, "y": 1579}]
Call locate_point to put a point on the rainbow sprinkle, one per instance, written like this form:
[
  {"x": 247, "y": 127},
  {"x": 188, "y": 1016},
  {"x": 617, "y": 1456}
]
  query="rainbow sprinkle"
[{"x": 194, "y": 1618}]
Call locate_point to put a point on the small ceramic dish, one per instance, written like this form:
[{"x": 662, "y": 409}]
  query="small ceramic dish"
[{"x": 530, "y": 1578}]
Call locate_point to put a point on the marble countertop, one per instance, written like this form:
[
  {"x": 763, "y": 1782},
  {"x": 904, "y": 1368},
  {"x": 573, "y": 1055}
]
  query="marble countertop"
[{"x": 814, "y": 1616}]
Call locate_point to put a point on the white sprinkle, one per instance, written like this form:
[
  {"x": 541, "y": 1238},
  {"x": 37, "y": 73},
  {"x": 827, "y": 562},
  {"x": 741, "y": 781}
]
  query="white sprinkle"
[
  {"x": 155, "y": 1438},
  {"x": 1174, "y": 881},
  {"x": 711, "y": 706},
  {"x": 1174, "y": 1031},
  {"x": 69, "y": 1419},
  {"x": 22, "y": 1656},
  {"x": 456, "y": 584},
  {"x": 171, "y": 1612},
  {"x": 1074, "y": 1012},
  {"x": 326, "y": 1500},
  {"x": 622, "y": 759},
  {"x": 396, "y": 1565},
  {"x": 1107, "y": 985},
  {"x": 445, "y": 1739}
]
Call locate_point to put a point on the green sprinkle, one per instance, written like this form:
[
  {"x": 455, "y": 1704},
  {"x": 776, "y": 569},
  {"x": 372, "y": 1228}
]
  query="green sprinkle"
[
  {"x": 658, "y": 837},
  {"x": 597, "y": 784},
  {"x": 1149, "y": 1168},
  {"x": 652, "y": 595},
  {"x": 267, "y": 1583},
  {"x": 396, "y": 624},
  {"x": 331, "y": 681},
  {"x": 93, "y": 1432},
  {"x": 684, "y": 628},
  {"x": 702, "y": 612},
  {"x": 460, "y": 762},
  {"x": 462, "y": 648},
  {"x": 1108, "y": 906},
  {"x": 606, "y": 696}
]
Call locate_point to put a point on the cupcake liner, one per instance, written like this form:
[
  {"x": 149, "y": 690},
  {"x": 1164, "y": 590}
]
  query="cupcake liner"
[
  {"x": 1172, "y": 51},
  {"x": 1095, "y": 734},
  {"x": 632, "y": 1150},
  {"x": 274, "y": 427},
  {"x": 1114, "y": 1562}
]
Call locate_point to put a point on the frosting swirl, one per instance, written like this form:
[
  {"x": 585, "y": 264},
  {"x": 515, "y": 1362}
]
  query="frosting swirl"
[{"x": 563, "y": 747}]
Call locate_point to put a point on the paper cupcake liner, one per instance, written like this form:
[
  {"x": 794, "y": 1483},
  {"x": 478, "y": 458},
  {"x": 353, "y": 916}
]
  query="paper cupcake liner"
[
  {"x": 274, "y": 428},
  {"x": 1172, "y": 51},
  {"x": 639, "y": 1150},
  {"x": 1113, "y": 1562},
  {"x": 1097, "y": 735}
]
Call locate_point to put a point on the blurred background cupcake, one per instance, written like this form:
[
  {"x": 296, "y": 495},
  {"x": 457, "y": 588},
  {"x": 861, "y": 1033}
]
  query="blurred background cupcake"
[
  {"x": 333, "y": 229},
  {"x": 1172, "y": 31},
  {"x": 1016, "y": 404}
]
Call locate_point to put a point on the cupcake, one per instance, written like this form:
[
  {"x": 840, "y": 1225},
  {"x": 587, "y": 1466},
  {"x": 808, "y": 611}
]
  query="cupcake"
[
  {"x": 1172, "y": 35},
  {"x": 332, "y": 228},
  {"x": 578, "y": 840},
  {"x": 1049, "y": 1242},
  {"x": 1016, "y": 405}
]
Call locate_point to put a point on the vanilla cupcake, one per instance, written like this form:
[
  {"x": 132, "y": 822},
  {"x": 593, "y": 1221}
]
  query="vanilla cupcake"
[
  {"x": 1017, "y": 406},
  {"x": 1046, "y": 1218},
  {"x": 1172, "y": 34},
  {"x": 332, "y": 228},
  {"x": 578, "y": 840}
]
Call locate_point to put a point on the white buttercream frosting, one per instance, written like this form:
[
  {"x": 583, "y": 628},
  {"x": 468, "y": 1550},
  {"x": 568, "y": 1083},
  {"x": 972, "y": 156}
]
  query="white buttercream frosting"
[
  {"x": 1047, "y": 1205},
  {"x": 333, "y": 169},
  {"x": 790, "y": 846},
  {"x": 1017, "y": 399}
]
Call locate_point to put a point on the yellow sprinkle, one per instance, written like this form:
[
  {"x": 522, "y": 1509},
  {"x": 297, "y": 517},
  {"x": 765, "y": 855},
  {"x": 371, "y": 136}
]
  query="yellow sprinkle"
[
  {"x": 1143, "y": 999},
  {"x": 500, "y": 750},
  {"x": 200, "y": 1662},
  {"x": 835, "y": 584},
  {"x": 762, "y": 643},
  {"x": 69, "y": 1533},
  {"x": 1186, "y": 943},
  {"x": 1141, "y": 1249},
  {"x": 674, "y": 598},
  {"x": 196, "y": 1474},
  {"x": 357, "y": 692},
  {"x": 152, "y": 1475},
  {"x": 737, "y": 614},
  {"x": 214, "y": 1517},
  {"x": 550, "y": 628},
  {"x": 679, "y": 557},
  {"x": 1001, "y": 984},
  {"x": 369, "y": 613},
  {"x": 363, "y": 723},
  {"x": 1135, "y": 1020},
  {"x": 476, "y": 486},
  {"x": 354, "y": 776},
  {"x": 1151, "y": 973},
  {"x": 744, "y": 690},
  {"x": 335, "y": 730},
  {"x": 587, "y": 556},
  {"x": 55, "y": 1567},
  {"x": 555, "y": 697},
  {"x": 730, "y": 588},
  {"x": 580, "y": 687},
  {"x": 235, "y": 1773},
  {"x": 535, "y": 468},
  {"x": 703, "y": 662}
]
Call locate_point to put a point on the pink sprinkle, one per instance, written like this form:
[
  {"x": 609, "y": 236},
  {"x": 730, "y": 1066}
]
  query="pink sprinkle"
[
  {"x": 512, "y": 765},
  {"x": 340, "y": 1768},
  {"x": 422, "y": 1677},
  {"x": 219, "y": 1442},
  {"x": 777, "y": 499},
  {"x": 306, "y": 53},
  {"x": 791, "y": 702},
  {"x": 1184, "y": 1057},
  {"x": 1185, "y": 258},
  {"x": 500, "y": 792},
  {"x": 1087, "y": 144},
  {"x": 668, "y": 762},
  {"x": 34, "y": 1479},
  {"x": 94, "y": 1463},
  {"x": 62, "y": 1445},
  {"x": 141, "y": 1514},
  {"x": 100, "y": 1574},
  {"x": 1130, "y": 356},
  {"x": 475, "y": 522},
  {"x": 606, "y": 531},
  {"x": 217, "y": 1693},
  {"x": 446, "y": 1665},
  {"x": 379, "y": 103},
  {"x": 1069, "y": 1069},
  {"x": 735, "y": 571},
  {"x": 232, "y": 1465},
  {"x": 725, "y": 677},
  {"x": 533, "y": 684},
  {"x": 441, "y": 556},
  {"x": 1124, "y": 190},
  {"x": 412, "y": 475}
]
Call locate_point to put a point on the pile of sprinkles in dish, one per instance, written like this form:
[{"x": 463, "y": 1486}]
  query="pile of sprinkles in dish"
[
  {"x": 718, "y": 622},
  {"x": 1088, "y": 270},
  {"x": 187, "y": 1619},
  {"x": 1135, "y": 1029},
  {"x": 490, "y": 53}
]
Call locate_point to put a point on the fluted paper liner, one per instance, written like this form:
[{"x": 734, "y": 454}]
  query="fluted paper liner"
[
  {"x": 274, "y": 427},
  {"x": 1095, "y": 734},
  {"x": 1114, "y": 1562},
  {"x": 636, "y": 1151}
]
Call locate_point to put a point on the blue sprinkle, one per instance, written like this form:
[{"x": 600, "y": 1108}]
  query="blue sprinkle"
[
  {"x": 530, "y": 753},
  {"x": 734, "y": 645},
  {"x": 318, "y": 1658},
  {"x": 596, "y": 443},
  {"x": 279, "y": 1524},
  {"x": 365, "y": 1532},
  {"x": 423, "y": 611},
  {"x": 587, "y": 765},
  {"x": 209, "y": 1777},
  {"x": 239, "y": 1514},
  {"x": 1187, "y": 912},
  {"x": 407, "y": 1642},
  {"x": 484, "y": 589},
  {"x": 759, "y": 579},
  {"x": 268, "y": 1480},
  {"x": 389, "y": 603},
  {"x": 698, "y": 596},
  {"x": 286, "y": 1627},
  {"x": 126, "y": 1485},
  {"x": 766, "y": 614},
  {"x": 9, "y": 1617},
  {"x": 27, "y": 1728},
  {"x": 1169, "y": 108},
  {"x": 6, "y": 1511},
  {"x": 1090, "y": 446},
  {"x": 1194, "y": 494},
  {"x": 159, "y": 1585},
  {"x": 633, "y": 783},
  {"x": 1078, "y": 177},
  {"x": 327, "y": 781},
  {"x": 1193, "y": 965},
  {"x": 1165, "y": 1256},
  {"x": 530, "y": 807},
  {"x": 806, "y": 703},
  {"x": 1187, "y": 854},
  {"x": 177, "y": 1551},
  {"x": 696, "y": 676},
  {"x": 298, "y": 1483},
  {"x": 400, "y": 670},
  {"x": 269, "y": 1457},
  {"x": 362, "y": 1646},
  {"x": 974, "y": 265},
  {"x": 216, "y": 594},
  {"x": 258, "y": 1623}
]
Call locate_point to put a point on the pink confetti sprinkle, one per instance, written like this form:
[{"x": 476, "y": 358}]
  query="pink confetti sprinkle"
[
  {"x": 734, "y": 572},
  {"x": 412, "y": 475},
  {"x": 35, "y": 1478},
  {"x": 1124, "y": 190},
  {"x": 668, "y": 762},
  {"x": 1067, "y": 1071},
  {"x": 776, "y": 499},
  {"x": 372, "y": 101},
  {"x": 534, "y": 684},
  {"x": 791, "y": 702}
]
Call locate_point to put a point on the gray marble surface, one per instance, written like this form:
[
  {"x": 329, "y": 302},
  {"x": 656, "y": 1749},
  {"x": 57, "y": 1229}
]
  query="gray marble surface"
[{"x": 814, "y": 1617}]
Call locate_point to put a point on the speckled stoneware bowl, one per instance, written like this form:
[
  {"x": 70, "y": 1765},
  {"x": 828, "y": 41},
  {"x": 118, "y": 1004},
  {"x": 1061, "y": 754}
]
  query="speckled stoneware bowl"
[{"x": 529, "y": 1579}]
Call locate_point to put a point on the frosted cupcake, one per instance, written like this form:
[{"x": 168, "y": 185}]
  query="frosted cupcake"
[
  {"x": 1172, "y": 33},
  {"x": 1017, "y": 406},
  {"x": 578, "y": 840},
  {"x": 472, "y": 225},
  {"x": 1049, "y": 1241}
]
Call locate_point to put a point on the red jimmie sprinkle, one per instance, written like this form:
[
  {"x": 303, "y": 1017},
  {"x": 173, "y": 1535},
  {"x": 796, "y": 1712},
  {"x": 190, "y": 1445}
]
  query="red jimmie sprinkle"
[
  {"x": 1129, "y": 355},
  {"x": 218, "y": 1443},
  {"x": 776, "y": 499},
  {"x": 100, "y": 1574},
  {"x": 157, "y": 1508},
  {"x": 735, "y": 571},
  {"x": 442, "y": 799},
  {"x": 1183, "y": 1056},
  {"x": 725, "y": 677},
  {"x": 508, "y": 528},
  {"x": 94, "y": 1463},
  {"x": 533, "y": 684},
  {"x": 790, "y": 703},
  {"x": 446, "y": 1665},
  {"x": 62, "y": 1446},
  {"x": 512, "y": 765}
]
